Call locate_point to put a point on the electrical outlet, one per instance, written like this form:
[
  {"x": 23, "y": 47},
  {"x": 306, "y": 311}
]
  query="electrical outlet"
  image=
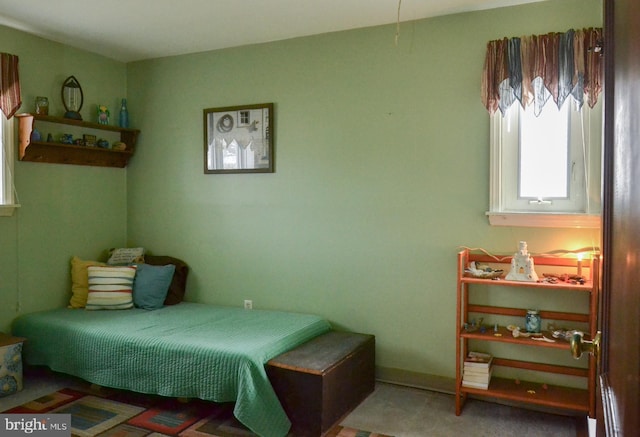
[{"x": 248, "y": 304}]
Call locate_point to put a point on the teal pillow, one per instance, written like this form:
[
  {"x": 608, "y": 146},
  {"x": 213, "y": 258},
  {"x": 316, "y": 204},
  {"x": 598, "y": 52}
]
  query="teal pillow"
[{"x": 151, "y": 285}]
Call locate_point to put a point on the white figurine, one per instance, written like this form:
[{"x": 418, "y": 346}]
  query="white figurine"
[{"x": 522, "y": 266}]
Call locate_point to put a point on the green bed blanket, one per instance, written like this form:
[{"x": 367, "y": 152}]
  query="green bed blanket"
[{"x": 188, "y": 350}]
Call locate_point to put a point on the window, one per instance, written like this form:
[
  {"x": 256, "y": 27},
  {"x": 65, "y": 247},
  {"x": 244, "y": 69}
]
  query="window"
[
  {"x": 545, "y": 170},
  {"x": 243, "y": 118},
  {"x": 7, "y": 193}
]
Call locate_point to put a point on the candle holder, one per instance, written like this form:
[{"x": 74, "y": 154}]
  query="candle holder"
[{"x": 579, "y": 265}]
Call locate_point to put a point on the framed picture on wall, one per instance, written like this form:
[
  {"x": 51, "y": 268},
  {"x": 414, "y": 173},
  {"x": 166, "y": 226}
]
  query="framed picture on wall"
[{"x": 239, "y": 139}]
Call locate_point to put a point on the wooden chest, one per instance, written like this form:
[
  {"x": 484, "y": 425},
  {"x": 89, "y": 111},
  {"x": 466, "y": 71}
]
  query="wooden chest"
[{"x": 321, "y": 381}]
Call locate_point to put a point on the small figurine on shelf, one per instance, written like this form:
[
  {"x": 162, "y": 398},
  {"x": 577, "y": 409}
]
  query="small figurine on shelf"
[
  {"x": 522, "y": 268},
  {"x": 103, "y": 114},
  {"x": 102, "y": 143}
]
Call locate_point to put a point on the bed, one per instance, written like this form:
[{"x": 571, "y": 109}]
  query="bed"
[{"x": 186, "y": 350}]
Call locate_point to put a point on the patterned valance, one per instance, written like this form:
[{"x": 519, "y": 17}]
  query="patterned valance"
[
  {"x": 10, "y": 99},
  {"x": 531, "y": 69}
]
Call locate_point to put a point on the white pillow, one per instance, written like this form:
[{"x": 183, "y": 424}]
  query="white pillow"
[
  {"x": 110, "y": 288},
  {"x": 125, "y": 255}
]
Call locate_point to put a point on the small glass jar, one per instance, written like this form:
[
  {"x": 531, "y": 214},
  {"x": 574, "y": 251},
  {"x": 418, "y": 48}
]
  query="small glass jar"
[
  {"x": 533, "y": 323},
  {"x": 42, "y": 106}
]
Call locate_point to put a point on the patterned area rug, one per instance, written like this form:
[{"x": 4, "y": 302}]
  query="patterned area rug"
[{"x": 115, "y": 413}]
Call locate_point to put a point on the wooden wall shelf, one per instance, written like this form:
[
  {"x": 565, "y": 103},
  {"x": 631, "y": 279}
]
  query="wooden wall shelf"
[{"x": 59, "y": 153}]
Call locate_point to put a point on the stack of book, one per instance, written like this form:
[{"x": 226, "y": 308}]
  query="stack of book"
[{"x": 477, "y": 370}]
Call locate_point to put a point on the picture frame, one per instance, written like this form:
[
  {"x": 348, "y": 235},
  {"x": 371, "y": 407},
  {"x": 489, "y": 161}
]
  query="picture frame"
[{"x": 239, "y": 139}]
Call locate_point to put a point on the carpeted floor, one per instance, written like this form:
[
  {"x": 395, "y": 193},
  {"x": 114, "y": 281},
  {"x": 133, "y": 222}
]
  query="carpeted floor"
[
  {"x": 109, "y": 413},
  {"x": 391, "y": 409}
]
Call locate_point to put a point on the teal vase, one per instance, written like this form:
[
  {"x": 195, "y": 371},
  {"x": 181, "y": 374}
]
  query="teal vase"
[
  {"x": 124, "y": 114},
  {"x": 35, "y": 135}
]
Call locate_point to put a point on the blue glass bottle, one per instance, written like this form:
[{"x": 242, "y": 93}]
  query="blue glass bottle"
[
  {"x": 124, "y": 114},
  {"x": 35, "y": 135}
]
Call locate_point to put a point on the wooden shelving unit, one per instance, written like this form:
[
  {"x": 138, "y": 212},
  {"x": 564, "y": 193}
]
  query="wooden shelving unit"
[
  {"x": 552, "y": 396},
  {"x": 59, "y": 153}
]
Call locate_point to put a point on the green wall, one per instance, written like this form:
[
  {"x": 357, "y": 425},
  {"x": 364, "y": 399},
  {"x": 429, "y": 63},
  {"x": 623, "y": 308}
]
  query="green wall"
[
  {"x": 66, "y": 210},
  {"x": 382, "y": 171},
  {"x": 382, "y": 163}
]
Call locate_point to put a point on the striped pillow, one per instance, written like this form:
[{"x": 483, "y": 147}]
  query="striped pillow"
[{"x": 110, "y": 288}]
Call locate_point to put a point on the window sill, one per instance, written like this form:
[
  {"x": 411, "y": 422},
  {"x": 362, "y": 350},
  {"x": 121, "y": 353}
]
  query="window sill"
[
  {"x": 592, "y": 221},
  {"x": 7, "y": 210}
]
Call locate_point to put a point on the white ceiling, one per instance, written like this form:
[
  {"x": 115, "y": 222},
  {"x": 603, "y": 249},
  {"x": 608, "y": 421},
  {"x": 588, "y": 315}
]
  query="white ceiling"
[{"x": 130, "y": 30}]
